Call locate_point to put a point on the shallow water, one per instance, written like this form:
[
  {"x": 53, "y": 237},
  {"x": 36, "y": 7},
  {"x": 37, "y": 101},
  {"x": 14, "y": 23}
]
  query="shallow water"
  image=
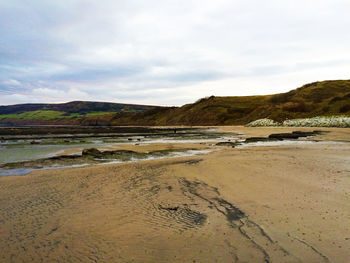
[
  {"x": 22, "y": 150},
  {"x": 21, "y": 171},
  {"x": 28, "y": 149},
  {"x": 12, "y": 152}
]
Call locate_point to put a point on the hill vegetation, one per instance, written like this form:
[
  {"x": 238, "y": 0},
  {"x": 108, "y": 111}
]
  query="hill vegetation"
[
  {"x": 326, "y": 98},
  {"x": 71, "y": 113},
  {"x": 76, "y": 107}
]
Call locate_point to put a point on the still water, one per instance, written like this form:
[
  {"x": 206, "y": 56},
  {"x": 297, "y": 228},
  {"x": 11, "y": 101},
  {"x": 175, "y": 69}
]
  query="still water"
[{"x": 30, "y": 149}]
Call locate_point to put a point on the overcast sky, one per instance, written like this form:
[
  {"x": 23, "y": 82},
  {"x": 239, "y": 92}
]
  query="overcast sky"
[{"x": 168, "y": 52}]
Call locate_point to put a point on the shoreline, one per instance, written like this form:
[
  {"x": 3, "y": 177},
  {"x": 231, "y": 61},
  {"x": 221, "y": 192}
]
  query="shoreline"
[
  {"x": 277, "y": 203},
  {"x": 161, "y": 148},
  {"x": 24, "y": 150}
]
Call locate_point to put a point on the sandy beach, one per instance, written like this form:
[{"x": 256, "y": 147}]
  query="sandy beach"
[{"x": 288, "y": 203}]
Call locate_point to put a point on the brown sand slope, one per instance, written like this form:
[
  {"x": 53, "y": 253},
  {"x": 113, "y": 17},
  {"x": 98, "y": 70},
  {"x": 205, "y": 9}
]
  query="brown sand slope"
[{"x": 267, "y": 204}]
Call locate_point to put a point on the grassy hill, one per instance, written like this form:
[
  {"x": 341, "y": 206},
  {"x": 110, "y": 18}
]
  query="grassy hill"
[
  {"x": 76, "y": 107},
  {"x": 314, "y": 99},
  {"x": 74, "y": 112},
  {"x": 319, "y": 98}
]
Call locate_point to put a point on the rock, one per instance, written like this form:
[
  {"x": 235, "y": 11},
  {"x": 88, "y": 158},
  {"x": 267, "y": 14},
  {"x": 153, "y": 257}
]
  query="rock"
[
  {"x": 232, "y": 144},
  {"x": 320, "y": 121},
  {"x": 282, "y": 136},
  {"x": 263, "y": 123},
  {"x": 294, "y": 135},
  {"x": 92, "y": 152},
  {"x": 34, "y": 142},
  {"x": 258, "y": 139},
  {"x": 305, "y": 134}
]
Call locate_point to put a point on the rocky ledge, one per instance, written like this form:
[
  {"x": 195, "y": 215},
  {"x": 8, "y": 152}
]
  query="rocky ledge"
[{"x": 321, "y": 121}]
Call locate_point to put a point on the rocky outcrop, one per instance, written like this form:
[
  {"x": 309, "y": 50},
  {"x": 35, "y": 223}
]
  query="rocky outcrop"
[
  {"x": 321, "y": 121},
  {"x": 92, "y": 152},
  {"x": 329, "y": 121},
  {"x": 263, "y": 123}
]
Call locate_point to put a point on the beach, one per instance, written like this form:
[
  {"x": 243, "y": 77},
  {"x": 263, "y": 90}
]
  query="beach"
[{"x": 280, "y": 203}]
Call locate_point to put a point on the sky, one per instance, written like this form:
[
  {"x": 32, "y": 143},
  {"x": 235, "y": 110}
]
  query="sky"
[{"x": 168, "y": 52}]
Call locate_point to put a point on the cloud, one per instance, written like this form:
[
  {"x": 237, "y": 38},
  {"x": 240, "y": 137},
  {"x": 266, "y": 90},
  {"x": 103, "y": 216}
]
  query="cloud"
[
  {"x": 11, "y": 82},
  {"x": 38, "y": 95},
  {"x": 167, "y": 52}
]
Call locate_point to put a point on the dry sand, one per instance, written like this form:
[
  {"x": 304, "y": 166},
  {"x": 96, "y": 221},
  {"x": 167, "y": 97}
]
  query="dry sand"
[{"x": 256, "y": 204}]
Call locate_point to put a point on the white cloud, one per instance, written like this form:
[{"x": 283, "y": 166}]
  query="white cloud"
[
  {"x": 11, "y": 82},
  {"x": 41, "y": 95},
  {"x": 59, "y": 95}
]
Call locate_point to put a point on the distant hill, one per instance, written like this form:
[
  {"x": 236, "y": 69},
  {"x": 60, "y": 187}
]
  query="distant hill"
[
  {"x": 70, "y": 113},
  {"x": 81, "y": 107},
  {"x": 314, "y": 99}
]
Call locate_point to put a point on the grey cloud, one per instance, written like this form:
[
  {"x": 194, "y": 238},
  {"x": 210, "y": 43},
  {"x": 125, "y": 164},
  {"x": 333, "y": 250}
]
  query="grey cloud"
[{"x": 130, "y": 49}]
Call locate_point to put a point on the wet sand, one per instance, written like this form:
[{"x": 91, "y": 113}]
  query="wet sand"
[{"x": 257, "y": 204}]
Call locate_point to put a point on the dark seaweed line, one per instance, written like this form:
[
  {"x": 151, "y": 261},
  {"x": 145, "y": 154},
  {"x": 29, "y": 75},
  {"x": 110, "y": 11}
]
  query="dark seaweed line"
[
  {"x": 263, "y": 233},
  {"x": 266, "y": 255},
  {"x": 231, "y": 219},
  {"x": 235, "y": 257},
  {"x": 326, "y": 259}
]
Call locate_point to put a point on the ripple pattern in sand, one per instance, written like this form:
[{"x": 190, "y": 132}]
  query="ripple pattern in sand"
[{"x": 126, "y": 213}]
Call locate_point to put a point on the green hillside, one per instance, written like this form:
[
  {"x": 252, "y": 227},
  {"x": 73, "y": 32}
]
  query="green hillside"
[
  {"x": 71, "y": 113},
  {"x": 81, "y": 107},
  {"x": 315, "y": 99}
]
